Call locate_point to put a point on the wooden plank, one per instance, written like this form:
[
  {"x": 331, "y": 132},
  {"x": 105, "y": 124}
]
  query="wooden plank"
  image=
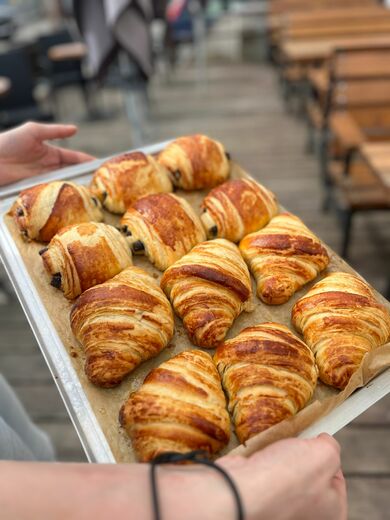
[
  {"x": 363, "y": 450},
  {"x": 377, "y": 156},
  {"x": 368, "y": 499},
  {"x": 319, "y": 50}
]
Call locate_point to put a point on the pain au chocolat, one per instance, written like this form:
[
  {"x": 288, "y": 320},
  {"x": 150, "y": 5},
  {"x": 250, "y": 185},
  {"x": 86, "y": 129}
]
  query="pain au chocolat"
[
  {"x": 236, "y": 208},
  {"x": 43, "y": 210},
  {"x": 122, "y": 180},
  {"x": 84, "y": 255},
  {"x": 195, "y": 162},
  {"x": 164, "y": 227}
]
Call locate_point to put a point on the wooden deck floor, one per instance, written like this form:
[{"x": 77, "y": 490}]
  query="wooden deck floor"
[{"x": 241, "y": 106}]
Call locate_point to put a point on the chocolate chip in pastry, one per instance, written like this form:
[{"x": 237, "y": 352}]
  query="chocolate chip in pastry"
[
  {"x": 283, "y": 256},
  {"x": 341, "y": 321},
  {"x": 122, "y": 180},
  {"x": 84, "y": 255},
  {"x": 43, "y": 210},
  {"x": 179, "y": 408},
  {"x": 162, "y": 226},
  {"x": 121, "y": 323}
]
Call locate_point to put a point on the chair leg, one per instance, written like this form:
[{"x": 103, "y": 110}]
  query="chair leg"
[
  {"x": 310, "y": 145},
  {"x": 346, "y": 216},
  {"x": 327, "y": 199}
]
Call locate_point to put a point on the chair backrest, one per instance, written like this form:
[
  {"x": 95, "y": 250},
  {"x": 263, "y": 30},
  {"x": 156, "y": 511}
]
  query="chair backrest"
[
  {"x": 16, "y": 65},
  {"x": 318, "y": 22},
  {"x": 287, "y": 6},
  {"x": 360, "y": 63},
  {"x": 359, "y": 77},
  {"x": 353, "y": 28},
  {"x": 44, "y": 43}
]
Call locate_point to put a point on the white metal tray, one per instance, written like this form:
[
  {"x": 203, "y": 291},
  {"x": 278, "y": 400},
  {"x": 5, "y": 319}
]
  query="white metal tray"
[{"x": 57, "y": 358}]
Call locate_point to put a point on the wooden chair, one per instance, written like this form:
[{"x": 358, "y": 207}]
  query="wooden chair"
[
  {"x": 354, "y": 189},
  {"x": 352, "y": 79},
  {"x": 359, "y": 24}
]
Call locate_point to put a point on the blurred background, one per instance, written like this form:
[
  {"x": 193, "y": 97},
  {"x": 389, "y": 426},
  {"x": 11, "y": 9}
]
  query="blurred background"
[{"x": 297, "y": 90}]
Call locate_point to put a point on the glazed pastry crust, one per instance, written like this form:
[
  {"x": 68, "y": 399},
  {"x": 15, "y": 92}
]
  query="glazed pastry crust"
[
  {"x": 209, "y": 288},
  {"x": 268, "y": 375},
  {"x": 180, "y": 407},
  {"x": 236, "y": 208},
  {"x": 283, "y": 257},
  {"x": 85, "y": 255},
  {"x": 166, "y": 225},
  {"x": 43, "y": 210},
  {"x": 121, "y": 323},
  {"x": 195, "y": 162},
  {"x": 341, "y": 321},
  {"x": 124, "y": 179}
]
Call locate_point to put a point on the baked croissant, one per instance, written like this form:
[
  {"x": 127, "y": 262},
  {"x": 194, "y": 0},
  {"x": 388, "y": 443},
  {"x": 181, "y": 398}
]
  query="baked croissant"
[
  {"x": 209, "y": 288},
  {"x": 341, "y": 321},
  {"x": 283, "y": 257},
  {"x": 268, "y": 375},
  {"x": 84, "y": 255},
  {"x": 179, "y": 408},
  {"x": 121, "y": 323},
  {"x": 236, "y": 208},
  {"x": 195, "y": 162},
  {"x": 162, "y": 226},
  {"x": 41, "y": 211},
  {"x": 124, "y": 179}
]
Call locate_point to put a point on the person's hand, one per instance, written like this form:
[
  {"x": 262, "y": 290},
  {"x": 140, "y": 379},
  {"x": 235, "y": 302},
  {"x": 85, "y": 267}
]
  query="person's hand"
[
  {"x": 24, "y": 151},
  {"x": 293, "y": 479}
]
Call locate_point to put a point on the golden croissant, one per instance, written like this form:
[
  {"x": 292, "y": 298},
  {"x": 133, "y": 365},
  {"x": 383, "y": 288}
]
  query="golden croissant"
[
  {"x": 268, "y": 375},
  {"x": 121, "y": 323},
  {"x": 236, "y": 208},
  {"x": 84, "y": 255},
  {"x": 341, "y": 321},
  {"x": 43, "y": 210},
  {"x": 283, "y": 256},
  {"x": 180, "y": 407},
  {"x": 162, "y": 226},
  {"x": 209, "y": 288},
  {"x": 122, "y": 180},
  {"x": 195, "y": 162}
]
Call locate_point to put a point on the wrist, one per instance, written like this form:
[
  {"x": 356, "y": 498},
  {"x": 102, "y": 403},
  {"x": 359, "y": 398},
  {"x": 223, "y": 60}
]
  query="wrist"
[{"x": 194, "y": 492}]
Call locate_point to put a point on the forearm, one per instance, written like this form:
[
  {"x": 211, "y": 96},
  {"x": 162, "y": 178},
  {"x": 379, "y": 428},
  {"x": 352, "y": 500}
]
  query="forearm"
[{"x": 32, "y": 491}]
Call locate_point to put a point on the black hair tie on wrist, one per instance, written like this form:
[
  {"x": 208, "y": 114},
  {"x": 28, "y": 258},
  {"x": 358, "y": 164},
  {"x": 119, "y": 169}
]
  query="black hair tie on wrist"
[{"x": 198, "y": 457}]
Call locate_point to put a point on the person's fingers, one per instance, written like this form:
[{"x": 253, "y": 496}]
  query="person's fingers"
[
  {"x": 45, "y": 132},
  {"x": 309, "y": 459},
  {"x": 339, "y": 485},
  {"x": 330, "y": 440},
  {"x": 68, "y": 157}
]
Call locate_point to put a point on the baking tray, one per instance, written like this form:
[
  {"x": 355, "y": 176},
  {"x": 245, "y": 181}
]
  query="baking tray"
[{"x": 57, "y": 357}]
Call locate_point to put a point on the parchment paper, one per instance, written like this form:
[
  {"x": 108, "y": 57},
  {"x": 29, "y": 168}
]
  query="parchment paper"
[{"x": 107, "y": 402}]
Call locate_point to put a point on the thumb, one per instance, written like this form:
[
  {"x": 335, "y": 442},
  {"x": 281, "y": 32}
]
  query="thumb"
[{"x": 43, "y": 132}]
